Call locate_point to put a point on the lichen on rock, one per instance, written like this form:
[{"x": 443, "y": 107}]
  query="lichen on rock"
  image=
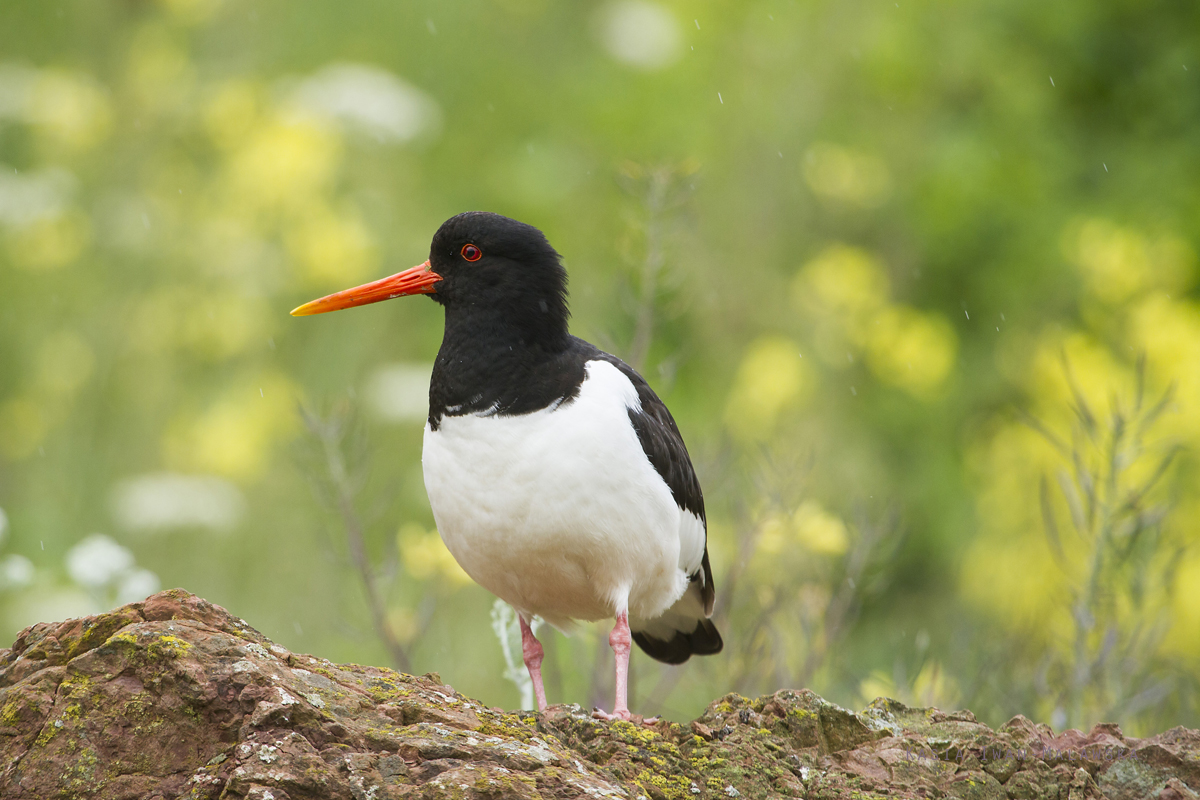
[{"x": 173, "y": 697}]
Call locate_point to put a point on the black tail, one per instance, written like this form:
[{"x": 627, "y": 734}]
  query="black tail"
[
  {"x": 682, "y": 632},
  {"x": 703, "y": 640}
]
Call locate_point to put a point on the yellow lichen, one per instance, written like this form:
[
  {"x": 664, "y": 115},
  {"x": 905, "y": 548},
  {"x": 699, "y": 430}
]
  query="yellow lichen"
[
  {"x": 48, "y": 732},
  {"x": 121, "y": 638},
  {"x": 674, "y": 787},
  {"x": 10, "y": 715}
]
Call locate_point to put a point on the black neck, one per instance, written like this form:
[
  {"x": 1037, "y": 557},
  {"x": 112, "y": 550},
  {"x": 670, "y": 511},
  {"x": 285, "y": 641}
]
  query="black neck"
[{"x": 493, "y": 361}]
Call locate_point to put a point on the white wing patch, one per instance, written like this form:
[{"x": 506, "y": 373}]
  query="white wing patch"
[{"x": 692, "y": 539}]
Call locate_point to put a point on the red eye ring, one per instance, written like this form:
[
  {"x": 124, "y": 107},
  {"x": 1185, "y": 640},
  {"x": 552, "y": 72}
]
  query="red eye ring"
[{"x": 471, "y": 253}]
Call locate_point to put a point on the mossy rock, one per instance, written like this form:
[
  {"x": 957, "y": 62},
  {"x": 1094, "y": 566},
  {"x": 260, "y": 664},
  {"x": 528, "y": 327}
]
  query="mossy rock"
[{"x": 174, "y": 697}]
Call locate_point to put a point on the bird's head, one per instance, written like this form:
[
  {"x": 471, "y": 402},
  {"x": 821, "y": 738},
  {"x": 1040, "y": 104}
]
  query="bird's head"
[{"x": 481, "y": 262}]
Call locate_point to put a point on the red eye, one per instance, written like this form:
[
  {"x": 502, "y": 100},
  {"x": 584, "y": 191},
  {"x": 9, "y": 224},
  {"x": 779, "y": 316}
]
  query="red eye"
[{"x": 471, "y": 253}]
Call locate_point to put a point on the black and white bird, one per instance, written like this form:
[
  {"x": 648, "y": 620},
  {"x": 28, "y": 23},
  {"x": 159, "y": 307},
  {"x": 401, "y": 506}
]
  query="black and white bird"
[{"x": 557, "y": 477}]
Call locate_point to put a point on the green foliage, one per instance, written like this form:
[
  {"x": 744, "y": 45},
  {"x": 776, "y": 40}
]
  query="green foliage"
[{"x": 844, "y": 241}]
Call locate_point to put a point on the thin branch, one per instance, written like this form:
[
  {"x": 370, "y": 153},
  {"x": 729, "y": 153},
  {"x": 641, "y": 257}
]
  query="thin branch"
[{"x": 329, "y": 433}]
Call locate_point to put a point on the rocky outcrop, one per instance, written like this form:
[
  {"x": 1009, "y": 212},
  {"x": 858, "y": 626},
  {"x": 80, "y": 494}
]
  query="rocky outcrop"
[{"x": 174, "y": 697}]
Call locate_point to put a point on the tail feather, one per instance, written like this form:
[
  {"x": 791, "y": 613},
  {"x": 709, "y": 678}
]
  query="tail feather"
[
  {"x": 682, "y": 632},
  {"x": 704, "y": 640}
]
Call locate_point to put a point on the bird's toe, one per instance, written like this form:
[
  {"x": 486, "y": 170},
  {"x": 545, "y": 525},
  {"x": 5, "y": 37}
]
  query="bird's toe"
[{"x": 621, "y": 714}]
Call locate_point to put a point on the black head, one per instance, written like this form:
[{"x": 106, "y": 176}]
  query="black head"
[
  {"x": 495, "y": 276},
  {"x": 500, "y": 269}
]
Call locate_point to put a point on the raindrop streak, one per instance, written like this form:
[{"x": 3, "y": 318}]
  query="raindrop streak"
[
  {"x": 43, "y": 545},
  {"x": 260, "y": 394},
  {"x": 697, "y": 23},
  {"x": 1105, "y": 166},
  {"x": 432, "y": 28},
  {"x": 720, "y": 98},
  {"x": 1051, "y": 80},
  {"x": 853, "y": 391},
  {"x": 965, "y": 312}
]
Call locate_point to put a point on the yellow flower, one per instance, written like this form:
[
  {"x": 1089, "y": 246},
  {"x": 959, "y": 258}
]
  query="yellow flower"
[
  {"x": 332, "y": 248},
  {"x": 771, "y": 377},
  {"x": 283, "y": 165},
  {"x": 233, "y": 435},
  {"x": 159, "y": 68},
  {"x": 425, "y": 555},
  {"x": 818, "y": 530},
  {"x": 841, "y": 281},
  {"x": 72, "y": 109},
  {"x": 1184, "y": 635},
  {"x": 1089, "y": 364},
  {"x": 1168, "y": 332},
  {"x": 912, "y": 350},
  {"x": 22, "y": 427},
  {"x": 213, "y": 327},
  {"x": 49, "y": 244},
  {"x": 810, "y": 526},
  {"x": 840, "y": 173},
  {"x": 1118, "y": 262},
  {"x": 231, "y": 113}
]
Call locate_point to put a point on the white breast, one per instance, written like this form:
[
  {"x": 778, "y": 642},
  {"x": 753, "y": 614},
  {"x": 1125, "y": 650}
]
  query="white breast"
[{"x": 559, "y": 512}]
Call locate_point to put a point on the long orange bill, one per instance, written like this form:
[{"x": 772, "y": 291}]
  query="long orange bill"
[{"x": 418, "y": 280}]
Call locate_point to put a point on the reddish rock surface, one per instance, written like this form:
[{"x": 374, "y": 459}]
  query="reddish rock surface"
[{"x": 175, "y": 697}]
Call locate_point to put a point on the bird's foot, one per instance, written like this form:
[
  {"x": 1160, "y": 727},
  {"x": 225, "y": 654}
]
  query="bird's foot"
[
  {"x": 619, "y": 714},
  {"x": 623, "y": 714}
]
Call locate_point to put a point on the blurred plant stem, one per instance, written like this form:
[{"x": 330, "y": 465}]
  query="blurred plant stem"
[
  {"x": 340, "y": 490},
  {"x": 660, "y": 195},
  {"x": 872, "y": 545},
  {"x": 1122, "y": 532},
  {"x": 653, "y": 201}
]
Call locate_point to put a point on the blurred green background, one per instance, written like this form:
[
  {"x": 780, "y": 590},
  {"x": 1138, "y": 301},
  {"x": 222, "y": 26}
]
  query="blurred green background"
[{"x": 918, "y": 281}]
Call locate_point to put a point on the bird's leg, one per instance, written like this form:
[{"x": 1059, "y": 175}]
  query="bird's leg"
[
  {"x": 620, "y": 641},
  {"x": 531, "y": 650}
]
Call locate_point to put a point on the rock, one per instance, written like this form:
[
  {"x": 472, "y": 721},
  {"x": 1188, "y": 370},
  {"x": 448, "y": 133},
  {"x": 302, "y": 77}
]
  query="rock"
[{"x": 174, "y": 697}]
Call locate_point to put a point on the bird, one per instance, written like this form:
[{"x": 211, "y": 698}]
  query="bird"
[{"x": 558, "y": 479}]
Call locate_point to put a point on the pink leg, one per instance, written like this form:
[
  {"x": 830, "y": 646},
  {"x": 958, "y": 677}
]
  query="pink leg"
[
  {"x": 620, "y": 641},
  {"x": 531, "y": 649}
]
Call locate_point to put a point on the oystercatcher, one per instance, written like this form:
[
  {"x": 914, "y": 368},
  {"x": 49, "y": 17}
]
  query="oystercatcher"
[{"x": 558, "y": 479}]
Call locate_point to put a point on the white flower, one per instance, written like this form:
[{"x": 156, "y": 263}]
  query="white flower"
[
  {"x": 15, "y": 572},
  {"x": 97, "y": 560},
  {"x": 400, "y": 392},
  {"x": 165, "y": 500},
  {"x": 370, "y": 100},
  {"x": 639, "y": 33},
  {"x": 137, "y": 585}
]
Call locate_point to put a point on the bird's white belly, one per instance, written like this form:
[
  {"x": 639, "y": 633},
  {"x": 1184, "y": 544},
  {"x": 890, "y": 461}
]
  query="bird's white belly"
[{"x": 559, "y": 512}]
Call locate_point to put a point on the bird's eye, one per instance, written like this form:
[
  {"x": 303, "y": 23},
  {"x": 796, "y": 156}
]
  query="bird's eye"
[{"x": 471, "y": 253}]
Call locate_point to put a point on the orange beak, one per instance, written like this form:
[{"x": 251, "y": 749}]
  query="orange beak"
[{"x": 418, "y": 280}]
